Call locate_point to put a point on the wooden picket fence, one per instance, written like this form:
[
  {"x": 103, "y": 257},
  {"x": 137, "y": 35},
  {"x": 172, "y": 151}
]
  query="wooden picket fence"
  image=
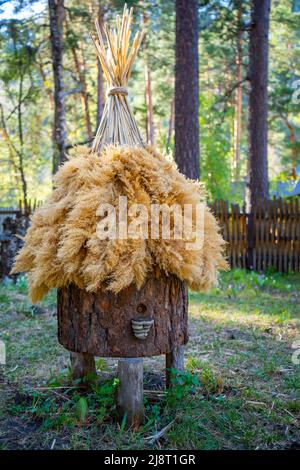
[
  {"x": 19, "y": 212},
  {"x": 268, "y": 238}
]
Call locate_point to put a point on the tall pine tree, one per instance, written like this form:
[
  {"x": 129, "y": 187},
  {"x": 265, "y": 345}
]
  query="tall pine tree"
[{"x": 187, "y": 88}]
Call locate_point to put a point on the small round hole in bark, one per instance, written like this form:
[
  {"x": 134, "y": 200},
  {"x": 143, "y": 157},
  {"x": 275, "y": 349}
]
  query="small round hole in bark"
[{"x": 141, "y": 308}]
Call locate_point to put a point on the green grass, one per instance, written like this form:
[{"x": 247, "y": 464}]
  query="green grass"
[{"x": 240, "y": 389}]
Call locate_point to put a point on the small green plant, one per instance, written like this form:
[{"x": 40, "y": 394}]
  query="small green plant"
[
  {"x": 293, "y": 405},
  {"x": 101, "y": 364},
  {"x": 82, "y": 409},
  {"x": 102, "y": 398},
  {"x": 22, "y": 284},
  {"x": 183, "y": 384},
  {"x": 4, "y": 299},
  {"x": 63, "y": 405},
  {"x": 210, "y": 382},
  {"x": 194, "y": 364},
  {"x": 152, "y": 415}
]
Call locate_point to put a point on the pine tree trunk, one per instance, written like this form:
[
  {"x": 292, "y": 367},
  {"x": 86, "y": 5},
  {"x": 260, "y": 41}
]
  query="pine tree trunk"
[
  {"x": 258, "y": 190},
  {"x": 239, "y": 99},
  {"x": 187, "y": 88},
  {"x": 56, "y": 16},
  {"x": 258, "y": 103}
]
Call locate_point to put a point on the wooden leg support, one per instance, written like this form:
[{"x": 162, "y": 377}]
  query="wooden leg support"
[
  {"x": 130, "y": 392},
  {"x": 174, "y": 360},
  {"x": 83, "y": 365}
]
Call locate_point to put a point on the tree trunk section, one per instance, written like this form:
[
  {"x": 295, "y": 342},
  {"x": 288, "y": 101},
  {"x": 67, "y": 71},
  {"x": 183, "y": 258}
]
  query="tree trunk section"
[
  {"x": 83, "y": 365},
  {"x": 174, "y": 360},
  {"x": 56, "y": 16},
  {"x": 258, "y": 189},
  {"x": 258, "y": 103},
  {"x": 109, "y": 325},
  {"x": 239, "y": 99},
  {"x": 130, "y": 393},
  {"x": 187, "y": 88}
]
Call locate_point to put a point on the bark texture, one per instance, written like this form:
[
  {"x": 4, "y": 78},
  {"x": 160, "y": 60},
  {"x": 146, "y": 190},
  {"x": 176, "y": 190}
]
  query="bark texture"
[
  {"x": 239, "y": 98},
  {"x": 130, "y": 392},
  {"x": 258, "y": 103},
  {"x": 56, "y": 16},
  {"x": 258, "y": 189},
  {"x": 187, "y": 88},
  {"x": 100, "y": 324},
  {"x": 82, "y": 365},
  {"x": 174, "y": 360}
]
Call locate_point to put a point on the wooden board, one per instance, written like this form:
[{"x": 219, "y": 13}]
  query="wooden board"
[{"x": 100, "y": 323}]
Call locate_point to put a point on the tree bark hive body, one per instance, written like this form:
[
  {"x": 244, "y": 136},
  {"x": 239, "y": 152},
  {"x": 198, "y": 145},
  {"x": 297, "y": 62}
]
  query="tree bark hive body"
[{"x": 101, "y": 323}]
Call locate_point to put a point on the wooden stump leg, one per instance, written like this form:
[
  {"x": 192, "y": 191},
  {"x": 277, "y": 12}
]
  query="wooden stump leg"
[
  {"x": 130, "y": 392},
  {"x": 174, "y": 360},
  {"x": 83, "y": 365}
]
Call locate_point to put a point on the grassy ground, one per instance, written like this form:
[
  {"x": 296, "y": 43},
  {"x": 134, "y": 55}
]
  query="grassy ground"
[{"x": 240, "y": 391}]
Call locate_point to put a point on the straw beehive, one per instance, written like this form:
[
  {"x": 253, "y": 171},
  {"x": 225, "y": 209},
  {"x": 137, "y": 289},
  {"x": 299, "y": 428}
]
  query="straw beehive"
[{"x": 62, "y": 246}]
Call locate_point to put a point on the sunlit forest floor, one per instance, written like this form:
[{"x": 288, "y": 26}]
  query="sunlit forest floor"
[{"x": 240, "y": 389}]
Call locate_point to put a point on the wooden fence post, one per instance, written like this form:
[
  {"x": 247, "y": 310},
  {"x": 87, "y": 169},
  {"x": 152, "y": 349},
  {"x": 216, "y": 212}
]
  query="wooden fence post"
[{"x": 130, "y": 392}]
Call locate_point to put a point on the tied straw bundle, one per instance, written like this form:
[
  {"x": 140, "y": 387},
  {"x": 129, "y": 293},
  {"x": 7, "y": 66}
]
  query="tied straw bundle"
[
  {"x": 118, "y": 125},
  {"x": 62, "y": 245}
]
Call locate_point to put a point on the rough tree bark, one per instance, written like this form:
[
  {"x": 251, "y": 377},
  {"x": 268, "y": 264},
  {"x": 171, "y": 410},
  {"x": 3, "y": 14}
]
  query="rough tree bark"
[
  {"x": 258, "y": 103},
  {"x": 187, "y": 151},
  {"x": 187, "y": 88},
  {"x": 56, "y": 16},
  {"x": 101, "y": 323},
  {"x": 82, "y": 365},
  {"x": 258, "y": 188},
  {"x": 239, "y": 98},
  {"x": 130, "y": 392},
  {"x": 174, "y": 360}
]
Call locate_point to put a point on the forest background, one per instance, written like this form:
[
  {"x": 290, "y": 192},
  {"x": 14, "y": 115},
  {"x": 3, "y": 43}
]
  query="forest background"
[{"x": 27, "y": 90}]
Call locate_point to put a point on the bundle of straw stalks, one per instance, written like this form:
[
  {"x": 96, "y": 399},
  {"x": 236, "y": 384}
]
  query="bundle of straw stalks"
[
  {"x": 62, "y": 245},
  {"x": 118, "y": 125}
]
